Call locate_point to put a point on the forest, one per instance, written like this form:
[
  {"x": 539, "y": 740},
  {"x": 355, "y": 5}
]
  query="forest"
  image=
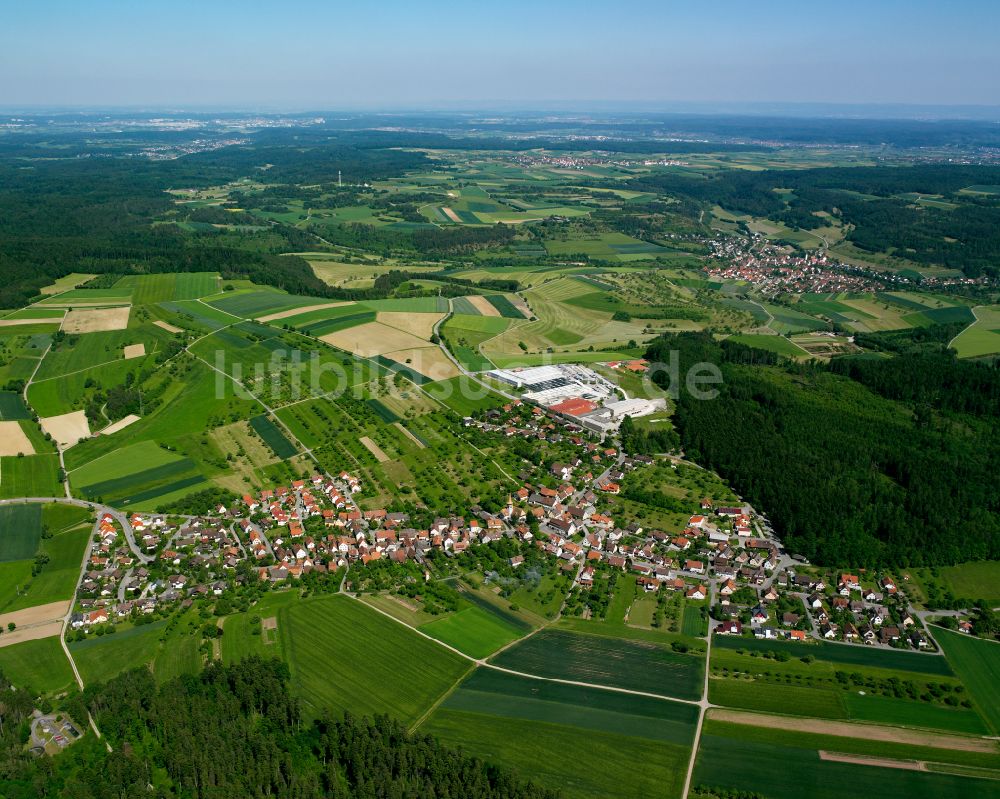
[
  {"x": 237, "y": 731},
  {"x": 863, "y": 463}
]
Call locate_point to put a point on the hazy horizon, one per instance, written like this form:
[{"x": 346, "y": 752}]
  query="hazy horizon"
[{"x": 558, "y": 55}]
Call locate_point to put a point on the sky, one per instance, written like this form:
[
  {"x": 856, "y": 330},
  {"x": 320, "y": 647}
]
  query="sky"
[{"x": 393, "y": 54}]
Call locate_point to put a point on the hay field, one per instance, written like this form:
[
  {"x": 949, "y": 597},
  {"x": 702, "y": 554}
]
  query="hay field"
[
  {"x": 373, "y": 338},
  {"x": 13, "y": 440},
  {"x": 482, "y": 305},
  {"x": 428, "y": 360},
  {"x": 95, "y": 320},
  {"x": 121, "y": 424},
  {"x": 134, "y": 351},
  {"x": 68, "y": 428},
  {"x": 419, "y": 324},
  {"x": 297, "y": 311},
  {"x": 168, "y": 327}
]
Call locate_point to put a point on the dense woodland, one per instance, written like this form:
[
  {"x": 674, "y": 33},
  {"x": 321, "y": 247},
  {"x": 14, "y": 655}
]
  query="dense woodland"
[
  {"x": 868, "y": 462},
  {"x": 237, "y": 732}
]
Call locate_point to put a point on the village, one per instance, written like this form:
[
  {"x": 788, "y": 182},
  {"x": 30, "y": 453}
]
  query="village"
[{"x": 143, "y": 566}]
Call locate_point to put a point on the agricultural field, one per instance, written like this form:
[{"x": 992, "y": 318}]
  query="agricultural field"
[
  {"x": 140, "y": 475},
  {"x": 788, "y": 766},
  {"x": 977, "y": 663},
  {"x": 641, "y": 743},
  {"x": 66, "y": 530},
  {"x": 345, "y": 656},
  {"x": 982, "y": 337},
  {"x": 29, "y": 476},
  {"x": 842, "y": 682},
  {"x": 633, "y": 664},
  {"x": 473, "y": 630},
  {"x": 39, "y": 665}
]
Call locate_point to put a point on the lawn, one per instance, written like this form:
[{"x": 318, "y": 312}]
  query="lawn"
[
  {"x": 473, "y": 630},
  {"x": 641, "y": 745},
  {"x": 39, "y": 665},
  {"x": 603, "y": 660},
  {"x": 346, "y": 656},
  {"x": 977, "y": 662}
]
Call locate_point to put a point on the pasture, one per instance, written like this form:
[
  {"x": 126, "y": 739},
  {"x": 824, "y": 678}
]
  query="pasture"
[
  {"x": 346, "y": 656},
  {"x": 633, "y": 664}
]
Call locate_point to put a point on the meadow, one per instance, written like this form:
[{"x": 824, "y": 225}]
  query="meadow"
[{"x": 982, "y": 337}]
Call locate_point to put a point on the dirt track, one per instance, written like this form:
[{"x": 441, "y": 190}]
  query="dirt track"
[
  {"x": 850, "y": 729},
  {"x": 864, "y": 760}
]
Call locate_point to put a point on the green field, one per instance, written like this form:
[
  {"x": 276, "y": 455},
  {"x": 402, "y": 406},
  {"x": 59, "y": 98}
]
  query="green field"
[
  {"x": 977, "y": 662},
  {"x": 472, "y": 630},
  {"x": 642, "y": 745},
  {"x": 64, "y": 549},
  {"x": 12, "y": 407},
  {"x": 635, "y": 665},
  {"x": 259, "y": 302},
  {"x": 273, "y": 436},
  {"x": 787, "y": 770},
  {"x": 836, "y": 703},
  {"x": 100, "y": 658},
  {"x": 39, "y": 665},
  {"x": 841, "y": 654},
  {"x": 778, "y": 344},
  {"x": 982, "y": 337},
  {"x": 149, "y": 289},
  {"x": 20, "y": 531},
  {"x": 139, "y": 475},
  {"x": 346, "y": 656},
  {"x": 30, "y": 476}
]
